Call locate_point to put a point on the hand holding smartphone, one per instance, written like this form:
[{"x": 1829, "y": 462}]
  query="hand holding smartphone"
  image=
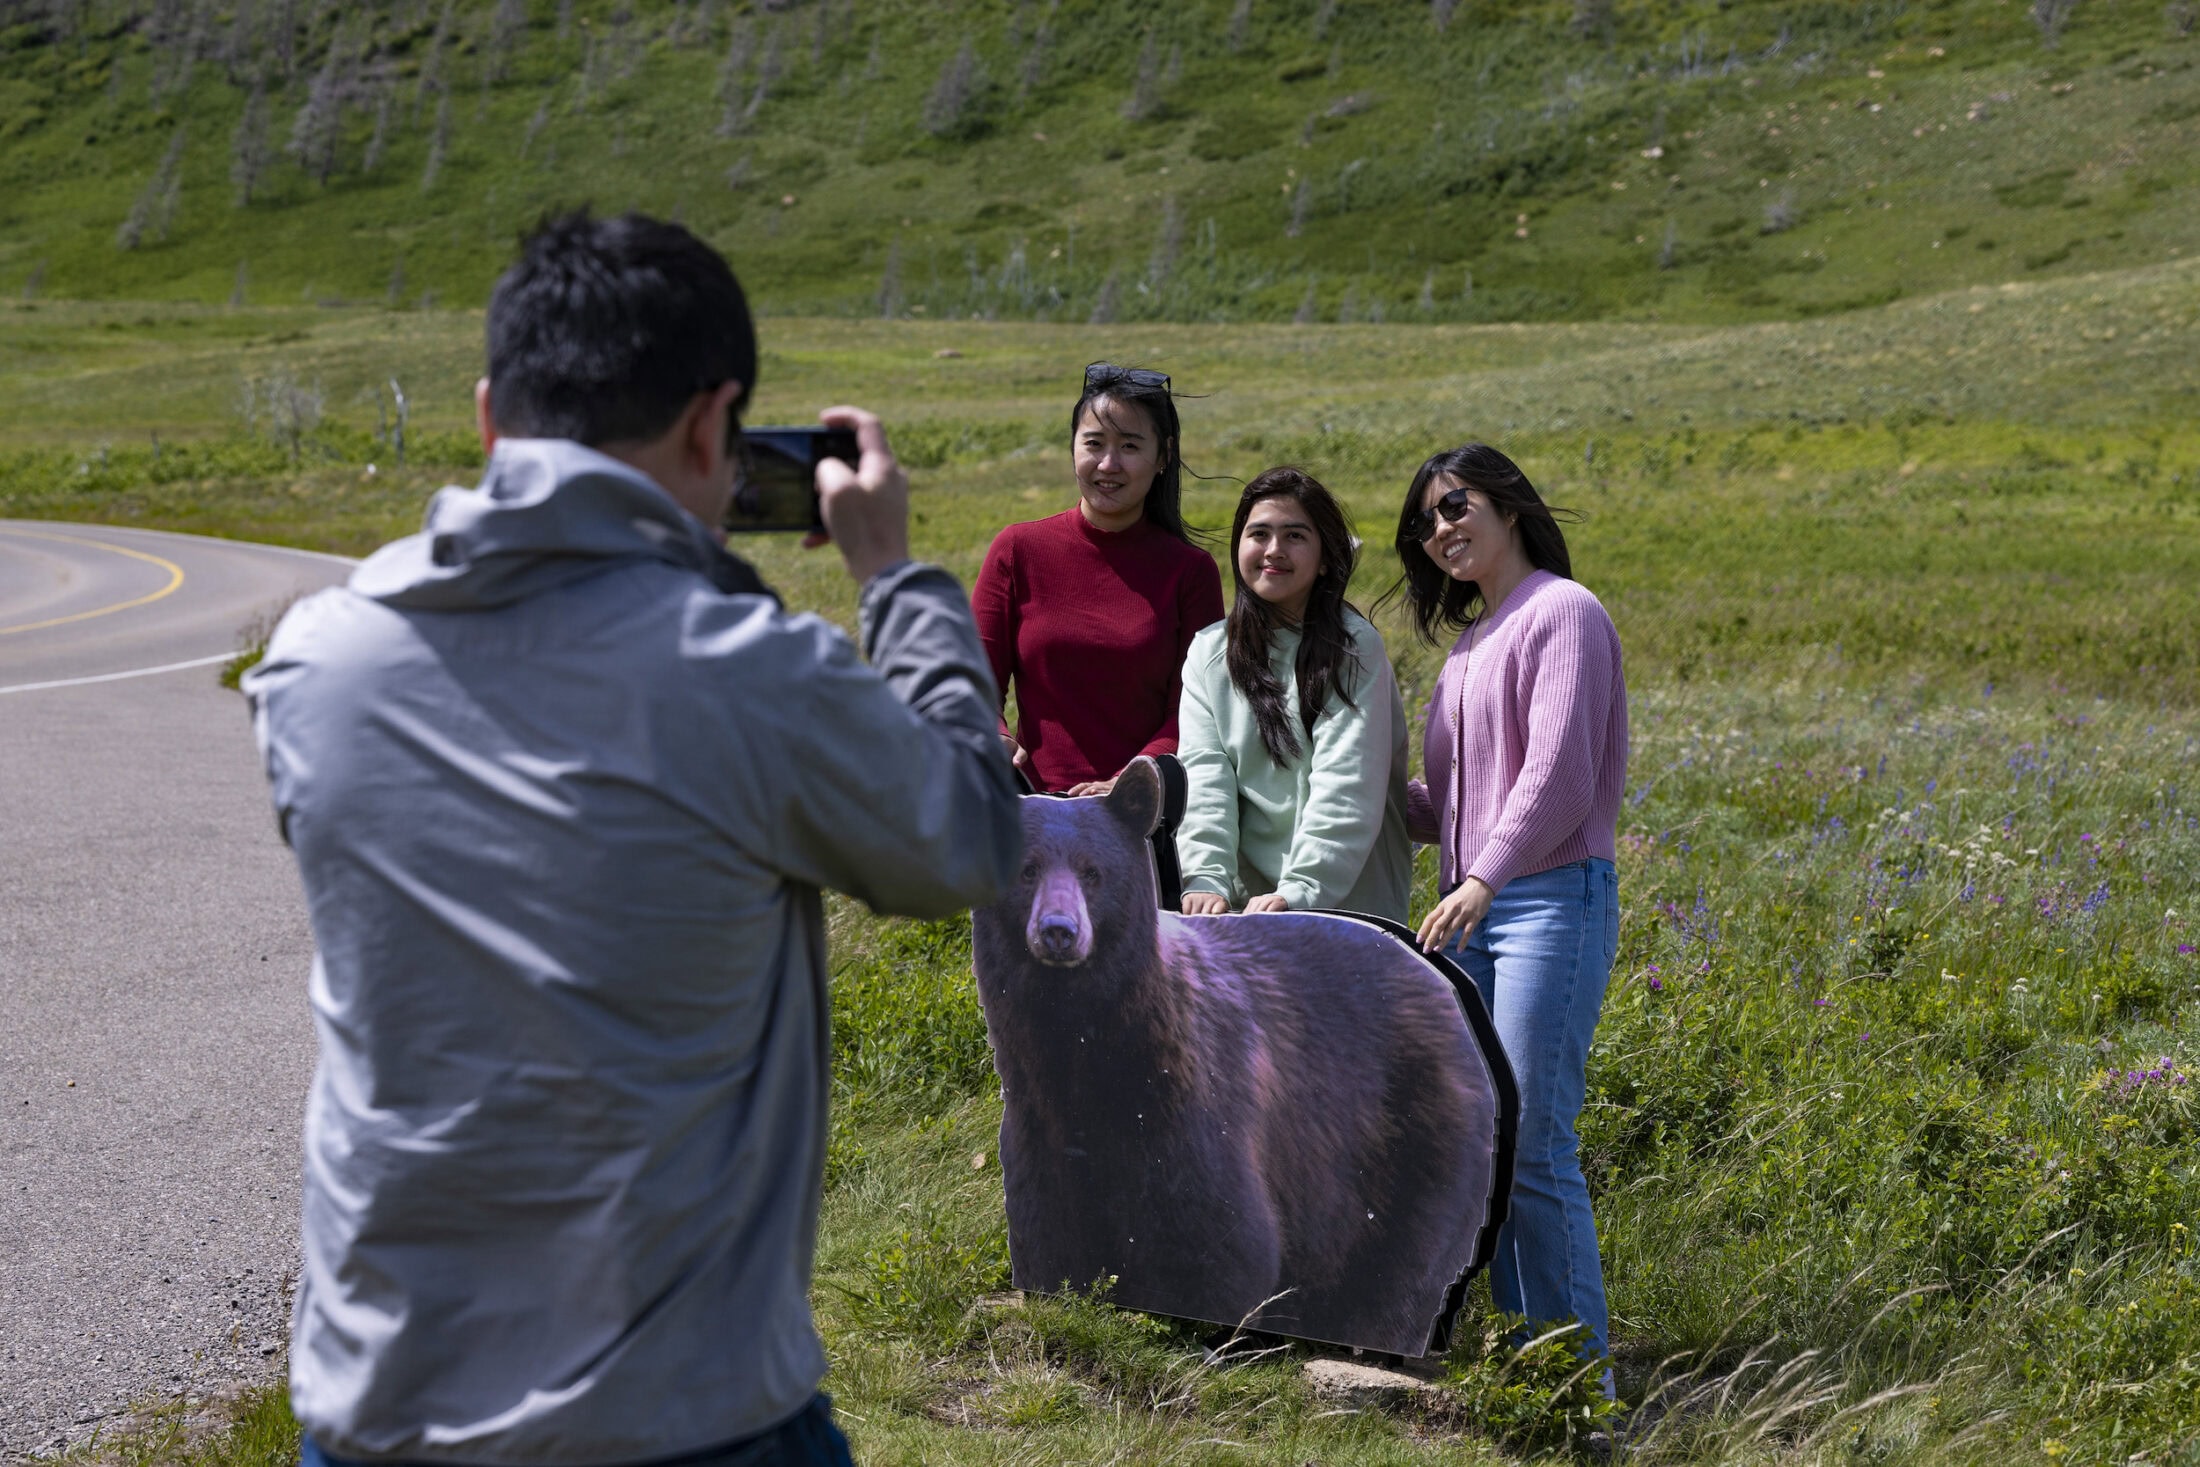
[{"x": 775, "y": 489}]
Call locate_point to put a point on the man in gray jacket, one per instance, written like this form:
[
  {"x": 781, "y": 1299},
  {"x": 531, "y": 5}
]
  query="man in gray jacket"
[{"x": 563, "y": 781}]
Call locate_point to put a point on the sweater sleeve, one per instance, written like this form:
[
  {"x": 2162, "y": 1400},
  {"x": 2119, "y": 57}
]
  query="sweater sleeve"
[
  {"x": 1207, "y": 836},
  {"x": 1565, "y": 693},
  {"x": 1348, "y": 786},
  {"x": 1198, "y": 606},
  {"x": 993, "y": 606},
  {"x": 1421, "y": 823}
]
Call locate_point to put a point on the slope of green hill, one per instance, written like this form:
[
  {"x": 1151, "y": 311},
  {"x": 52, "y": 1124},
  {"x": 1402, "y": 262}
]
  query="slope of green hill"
[{"x": 1077, "y": 159}]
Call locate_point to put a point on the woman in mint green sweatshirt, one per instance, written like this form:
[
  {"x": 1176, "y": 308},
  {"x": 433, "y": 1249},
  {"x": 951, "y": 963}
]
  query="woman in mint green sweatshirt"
[{"x": 1291, "y": 729}]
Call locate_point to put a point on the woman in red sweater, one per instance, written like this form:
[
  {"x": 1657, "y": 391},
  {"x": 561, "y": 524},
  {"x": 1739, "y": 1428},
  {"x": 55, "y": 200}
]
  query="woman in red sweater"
[{"x": 1088, "y": 614}]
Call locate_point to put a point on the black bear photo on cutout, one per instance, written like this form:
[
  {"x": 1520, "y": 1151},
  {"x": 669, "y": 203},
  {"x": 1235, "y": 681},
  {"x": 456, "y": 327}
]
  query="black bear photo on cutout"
[{"x": 1294, "y": 1122}]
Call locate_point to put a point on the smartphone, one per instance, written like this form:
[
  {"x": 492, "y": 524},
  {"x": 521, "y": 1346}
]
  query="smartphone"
[{"x": 776, "y": 485}]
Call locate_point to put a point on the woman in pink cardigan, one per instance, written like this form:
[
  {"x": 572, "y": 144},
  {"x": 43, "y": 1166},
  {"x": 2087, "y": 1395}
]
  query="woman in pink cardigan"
[{"x": 1526, "y": 755}]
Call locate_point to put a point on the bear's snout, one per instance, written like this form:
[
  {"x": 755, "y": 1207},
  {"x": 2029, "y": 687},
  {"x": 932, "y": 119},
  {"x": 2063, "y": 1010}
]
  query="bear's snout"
[{"x": 1060, "y": 931}]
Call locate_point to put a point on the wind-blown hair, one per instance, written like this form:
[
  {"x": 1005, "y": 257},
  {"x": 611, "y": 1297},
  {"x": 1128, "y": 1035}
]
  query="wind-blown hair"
[
  {"x": 1439, "y": 603},
  {"x": 1326, "y": 662},
  {"x": 1114, "y": 390}
]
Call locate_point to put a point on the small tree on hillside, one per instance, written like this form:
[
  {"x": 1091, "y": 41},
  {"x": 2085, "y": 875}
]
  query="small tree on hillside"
[
  {"x": 768, "y": 71},
  {"x": 176, "y": 57},
  {"x": 1103, "y": 304},
  {"x": 379, "y": 140},
  {"x": 955, "y": 108},
  {"x": 282, "y": 36},
  {"x": 155, "y": 208},
  {"x": 889, "y": 284},
  {"x": 431, "y": 66},
  {"x": 1168, "y": 243},
  {"x": 507, "y": 24},
  {"x": 318, "y": 128},
  {"x": 437, "y": 144},
  {"x": 238, "y": 43},
  {"x": 248, "y": 145},
  {"x": 535, "y": 126},
  {"x": 2051, "y": 16},
  {"x": 1145, "y": 98},
  {"x": 1592, "y": 17},
  {"x": 1240, "y": 28},
  {"x": 1031, "y": 72},
  {"x": 284, "y": 408},
  {"x": 735, "y": 62}
]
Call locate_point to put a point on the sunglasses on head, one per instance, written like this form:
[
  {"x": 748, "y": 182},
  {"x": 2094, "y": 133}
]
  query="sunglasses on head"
[
  {"x": 1423, "y": 523},
  {"x": 1106, "y": 374}
]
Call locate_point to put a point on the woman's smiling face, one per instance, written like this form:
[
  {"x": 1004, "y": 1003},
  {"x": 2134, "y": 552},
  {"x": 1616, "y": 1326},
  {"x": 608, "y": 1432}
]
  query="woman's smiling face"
[
  {"x": 1118, "y": 454},
  {"x": 1279, "y": 555},
  {"x": 1471, "y": 547}
]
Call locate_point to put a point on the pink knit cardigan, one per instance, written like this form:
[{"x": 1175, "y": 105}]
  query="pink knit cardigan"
[{"x": 1526, "y": 743}]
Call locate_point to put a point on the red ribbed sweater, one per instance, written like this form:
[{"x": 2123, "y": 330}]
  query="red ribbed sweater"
[
  {"x": 1091, "y": 627},
  {"x": 1526, "y": 742}
]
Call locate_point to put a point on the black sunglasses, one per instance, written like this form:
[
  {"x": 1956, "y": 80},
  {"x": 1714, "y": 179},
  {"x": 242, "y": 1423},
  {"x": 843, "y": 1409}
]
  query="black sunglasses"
[
  {"x": 1423, "y": 522},
  {"x": 1104, "y": 374}
]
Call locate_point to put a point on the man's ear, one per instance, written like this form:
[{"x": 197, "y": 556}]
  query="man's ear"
[
  {"x": 707, "y": 448},
  {"x": 1136, "y": 798},
  {"x": 484, "y": 419}
]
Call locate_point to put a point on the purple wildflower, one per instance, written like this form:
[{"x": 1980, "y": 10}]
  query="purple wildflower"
[
  {"x": 2163, "y": 1075},
  {"x": 2184, "y": 949},
  {"x": 1657, "y": 985}
]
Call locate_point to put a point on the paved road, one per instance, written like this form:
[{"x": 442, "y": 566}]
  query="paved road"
[{"x": 154, "y": 1040}]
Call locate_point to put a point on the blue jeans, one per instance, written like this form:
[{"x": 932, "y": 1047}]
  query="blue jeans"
[
  {"x": 806, "y": 1439},
  {"x": 1541, "y": 959}
]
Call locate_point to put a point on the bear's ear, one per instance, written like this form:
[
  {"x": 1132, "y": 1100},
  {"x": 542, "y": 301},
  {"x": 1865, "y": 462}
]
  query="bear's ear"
[{"x": 1136, "y": 798}]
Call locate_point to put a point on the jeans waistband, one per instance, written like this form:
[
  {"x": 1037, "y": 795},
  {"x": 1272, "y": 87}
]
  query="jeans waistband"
[{"x": 1581, "y": 865}]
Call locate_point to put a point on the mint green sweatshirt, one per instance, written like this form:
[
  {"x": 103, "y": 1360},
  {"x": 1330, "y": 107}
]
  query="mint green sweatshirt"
[{"x": 1326, "y": 830}]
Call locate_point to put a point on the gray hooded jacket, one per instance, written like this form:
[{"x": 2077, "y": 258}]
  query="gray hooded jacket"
[{"x": 563, "y": 783}]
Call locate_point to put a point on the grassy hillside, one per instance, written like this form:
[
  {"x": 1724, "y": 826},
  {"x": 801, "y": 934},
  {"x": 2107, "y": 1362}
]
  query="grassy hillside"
[{"x": 1333, "y": 160}]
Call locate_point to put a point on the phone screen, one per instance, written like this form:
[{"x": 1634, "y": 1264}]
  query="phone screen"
[{"x": 776, "y": 488}]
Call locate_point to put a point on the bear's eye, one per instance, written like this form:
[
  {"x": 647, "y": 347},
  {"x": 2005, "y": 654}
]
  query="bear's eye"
[
  {"x": 1089, "y": 871},
  {"x": 1031, "y": 870}
]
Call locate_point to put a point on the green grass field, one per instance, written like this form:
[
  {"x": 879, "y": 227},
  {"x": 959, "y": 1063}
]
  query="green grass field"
[{"x": 1892, "y": 1129}]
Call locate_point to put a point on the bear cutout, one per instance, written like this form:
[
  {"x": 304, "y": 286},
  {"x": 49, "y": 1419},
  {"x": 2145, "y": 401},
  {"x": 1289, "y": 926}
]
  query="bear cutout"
[{"x": 1292, "y": 1121}]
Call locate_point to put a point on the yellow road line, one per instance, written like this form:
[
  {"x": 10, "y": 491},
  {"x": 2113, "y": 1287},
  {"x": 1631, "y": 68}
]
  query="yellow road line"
[{"x": 175, "y": 579}]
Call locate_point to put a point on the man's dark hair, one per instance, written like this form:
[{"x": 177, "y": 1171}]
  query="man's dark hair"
[{"x": 605, "y": 329}]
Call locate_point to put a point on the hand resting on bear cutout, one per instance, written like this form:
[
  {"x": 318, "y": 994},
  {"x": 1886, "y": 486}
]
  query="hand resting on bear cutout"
[{"x": 1285, "y": 1120}]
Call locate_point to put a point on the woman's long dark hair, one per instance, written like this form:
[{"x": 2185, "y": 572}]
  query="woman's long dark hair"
[
  {"x": 1438, "y": 602},
  {"x": 1165, "y": 501},
  {"x": 1325, "y": 659}
]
